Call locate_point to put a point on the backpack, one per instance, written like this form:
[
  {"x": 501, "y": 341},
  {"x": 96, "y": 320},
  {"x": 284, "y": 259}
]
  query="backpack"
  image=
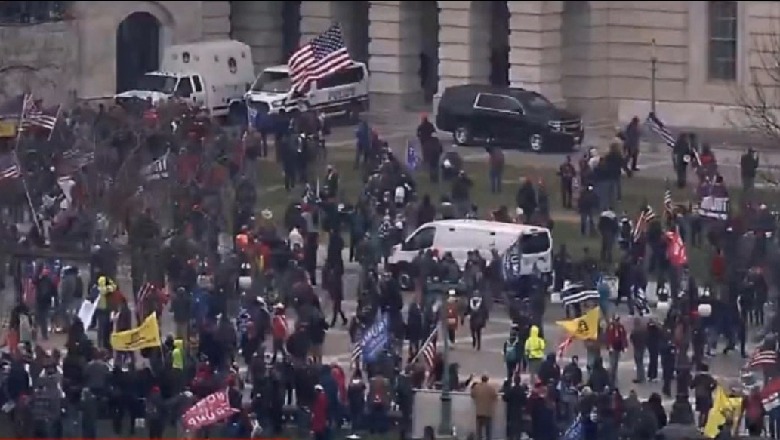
[{"x": 511, "y": 352}]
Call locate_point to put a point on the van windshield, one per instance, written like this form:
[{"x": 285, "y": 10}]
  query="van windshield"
[
  {"x": 157, "y": 83},
  {"x": 535, "y": 243},
  {"x": 274, "y": 82}
]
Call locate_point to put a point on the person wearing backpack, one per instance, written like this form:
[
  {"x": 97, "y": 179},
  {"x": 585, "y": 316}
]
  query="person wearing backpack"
[{"x": 511, "y": 355}]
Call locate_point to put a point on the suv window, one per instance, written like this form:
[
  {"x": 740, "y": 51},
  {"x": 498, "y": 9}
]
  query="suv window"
[
  {"x": 497, "y": 102},
  {"x": 423, "y": 239},
  {"x": 537, "y": 102},
  {"x": 343, "y": 77},
  {"x": 197, "y": 83},
  {"x": 184, "y": 89}
]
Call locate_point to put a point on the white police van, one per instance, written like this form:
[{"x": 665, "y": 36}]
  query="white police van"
[{"x": 343, "y": 92}]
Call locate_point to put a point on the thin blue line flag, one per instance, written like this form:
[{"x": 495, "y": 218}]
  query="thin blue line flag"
[
  {"x": 375, "y": 339},
  {"x": 575, "y": 431},
  {"x": 510, "y": 263}
]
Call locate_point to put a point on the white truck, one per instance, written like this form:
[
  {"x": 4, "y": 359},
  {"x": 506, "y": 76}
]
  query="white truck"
[
  {"x": 212, "y": 74},
  {"x": 342, "y": 92}
]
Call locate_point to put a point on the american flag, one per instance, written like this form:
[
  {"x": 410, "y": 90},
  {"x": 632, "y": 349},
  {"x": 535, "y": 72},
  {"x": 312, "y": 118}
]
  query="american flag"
[
  {"x": 658, "y": 127},
  {"x": 324, "y": 55},
  {"x": 762, "y": 358},
  {"x": 156, "y": 170},
  {"x": 35, "y": 116},
  {"x": 563, "y": 346},
  {"x": 357, "y": 351},
  {"x": 28, "y": 290},
  {"x": 146, "y": 290},
  {"x": 428, "y": 349},
  {"x": 10, "y": 172},
  {"x": 668, "y": 204},
  {"x": 645, "y": 217}
]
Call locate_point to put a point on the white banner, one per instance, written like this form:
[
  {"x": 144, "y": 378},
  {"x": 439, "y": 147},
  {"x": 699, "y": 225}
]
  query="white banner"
[
  {"x": 87, "y": 311},
  {"x": 714, "y": 207}
]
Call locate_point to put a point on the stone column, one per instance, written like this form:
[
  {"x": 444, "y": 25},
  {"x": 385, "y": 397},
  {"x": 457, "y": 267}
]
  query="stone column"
[
  {"x": 317, "y": 17},
  {"x": 535, "y": 42},
  {"x": 394, "y": 53},
  {"x": 216, "y": 20},
  {"x": 464, "y": 44},
  {"x": 259, "y": 24}
]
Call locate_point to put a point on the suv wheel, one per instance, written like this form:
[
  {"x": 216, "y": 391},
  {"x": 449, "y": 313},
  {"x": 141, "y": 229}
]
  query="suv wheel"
[
  {"x": 535, "y": 143},
  {"x": 462, "y": 135}
]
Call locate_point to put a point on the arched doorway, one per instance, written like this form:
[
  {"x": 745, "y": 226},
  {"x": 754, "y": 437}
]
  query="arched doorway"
[
  {"x": 429, "y": 53},
  {"x": 291, "y": 28},
  {"x": 137, "y": 48},
  {"x": 499, "y": 43}
]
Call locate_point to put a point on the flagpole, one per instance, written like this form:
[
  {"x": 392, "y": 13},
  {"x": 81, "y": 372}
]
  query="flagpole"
[
  {"x": 56, "y": 118},
  {"x": 27, "y": 98}
]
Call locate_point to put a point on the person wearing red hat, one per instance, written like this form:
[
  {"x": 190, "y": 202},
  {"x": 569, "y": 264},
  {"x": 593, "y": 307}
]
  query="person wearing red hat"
[{"x": 155, "y": 417}]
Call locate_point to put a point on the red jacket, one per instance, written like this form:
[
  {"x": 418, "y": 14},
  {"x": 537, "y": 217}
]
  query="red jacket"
[
  {"x": 341, "y": 381},
  {"x": 279, "y": 327},
  {"x": 616, "y": 337},
  {"x": 718, "y": 267},
  {"x": 319, "y": 413}
]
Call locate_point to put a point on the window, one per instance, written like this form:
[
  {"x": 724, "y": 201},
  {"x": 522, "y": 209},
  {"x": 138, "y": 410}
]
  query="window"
[
  {"x": 423, "y": 239},
  {"x": 497, "y": 102},
  {"x": 184, "y": 89},
  {"x": 32, "y": 12},
  {"x": 343, "y": 77},
  {"x": 535, "y": 101},
  {"x": 535, "y": 243},
  {"x": 722, "y": 41},
  {"x": 275, "y": 82},
  {"x": 198, "y": 85}
]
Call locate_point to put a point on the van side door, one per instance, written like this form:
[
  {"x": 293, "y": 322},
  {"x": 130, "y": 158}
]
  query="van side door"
[{"x": 199, "y": 90}]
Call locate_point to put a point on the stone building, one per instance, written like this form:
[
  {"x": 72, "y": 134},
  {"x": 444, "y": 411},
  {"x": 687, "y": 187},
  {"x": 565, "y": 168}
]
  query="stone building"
[{"x": 594, "y": 56}]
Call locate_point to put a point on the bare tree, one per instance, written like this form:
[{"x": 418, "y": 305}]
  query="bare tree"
[{"x": 758, "y": 102}]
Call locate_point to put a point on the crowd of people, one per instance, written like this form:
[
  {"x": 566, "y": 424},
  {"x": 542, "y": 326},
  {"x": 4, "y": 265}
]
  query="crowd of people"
[{"x": 245, "y": 356}]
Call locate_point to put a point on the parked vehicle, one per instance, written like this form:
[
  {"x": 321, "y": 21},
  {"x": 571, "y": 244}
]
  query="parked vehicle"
[
  {"x": 212, "y": 74},
  {"x": 477, "y": 114},
  {"x": 460, "y": 237},
  {"x": 343, "y": 92}
]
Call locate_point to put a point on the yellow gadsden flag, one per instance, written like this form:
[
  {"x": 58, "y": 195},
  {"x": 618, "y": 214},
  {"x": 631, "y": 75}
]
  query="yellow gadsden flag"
[
  {"x": 585, "y": 327},
  {"x": 722, "y": 406},
  {"x": 146, "y": 335}
]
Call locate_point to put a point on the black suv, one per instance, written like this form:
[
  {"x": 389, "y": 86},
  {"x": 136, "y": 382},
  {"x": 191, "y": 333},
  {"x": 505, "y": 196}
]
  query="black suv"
[{"x": 507, "y": 116}]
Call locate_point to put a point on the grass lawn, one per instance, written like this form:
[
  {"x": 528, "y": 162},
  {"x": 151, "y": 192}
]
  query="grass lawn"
[{"x": 635, "y": 192}]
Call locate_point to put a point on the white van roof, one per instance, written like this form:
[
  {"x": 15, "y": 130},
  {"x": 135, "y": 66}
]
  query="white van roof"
[
  {"x": 281, "y": 68},
  {"x": 509, "y": 228},
  {"x": 208, "y": 57}
]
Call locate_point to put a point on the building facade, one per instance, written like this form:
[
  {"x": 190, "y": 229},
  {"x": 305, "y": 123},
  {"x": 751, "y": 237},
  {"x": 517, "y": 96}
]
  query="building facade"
[{"x": 598, "y": 57}]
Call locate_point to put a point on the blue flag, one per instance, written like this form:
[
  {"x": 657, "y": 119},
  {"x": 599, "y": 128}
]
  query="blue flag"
[
  {"x": 510, "y": 262},
  {"x": 412, "y": 158},
  {"x": 575, "y": 431},
  {"x": 375, "y": 338}
]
